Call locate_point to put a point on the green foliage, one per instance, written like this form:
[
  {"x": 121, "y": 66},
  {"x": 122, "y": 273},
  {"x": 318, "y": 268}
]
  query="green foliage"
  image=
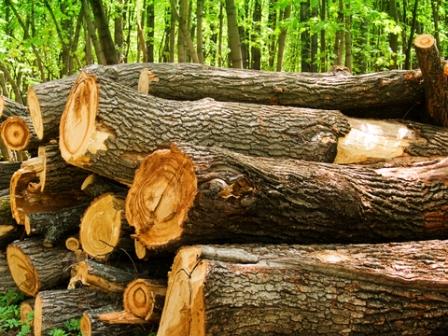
[{"x": 10, "y": 313}]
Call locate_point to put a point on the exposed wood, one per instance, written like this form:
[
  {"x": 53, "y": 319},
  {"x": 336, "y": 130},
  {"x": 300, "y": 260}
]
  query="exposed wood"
[
  {"x": 96, "y": 322},
  {"x": 376, "y": 289},
  {"x": 103, "y": 228},
  {"x": 95, "y": 185},
  {"x": 72, "y": 244},
  {"x": 27, "y": 312},
  {"x": 6, "y": 281},
  {"x": 144, "y": 298},
  {"x": 9, "y": 108},
  {"x": 6, "y": 171},
  {"x": 435, "y": 78},
  {"x": 100, "y": 276},
  {"x": 35, "y": 268},
  {"x": 197, "y": 194},
  {"x": 17, "y": 134},
  {"x": 9, "y": 233},
  {"x": 53, "y": 308}
]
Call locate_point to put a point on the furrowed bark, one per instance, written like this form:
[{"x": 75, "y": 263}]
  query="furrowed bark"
[
  {"x": 95, "y": 186},
  {"x": 6, "y": 171},
  {"x": 197, "y": 194},
  {"x": 17, "y": 134},
  {"x": 378, "y": 289},
  {"x": 9, "y": 233},
  {"x": 97, "y": 322},
  {"x": 435, "y": 78},
  {"x": 5, "y": 211},
  {"x": 6, "y": 281},
  {"x": 53, "y": 308},
  {"x": 9, "y": 108},
  {"x": 383, "y": 94},
  {"x": 35, "y": 268},
  {"x": 144, "y": 298}
]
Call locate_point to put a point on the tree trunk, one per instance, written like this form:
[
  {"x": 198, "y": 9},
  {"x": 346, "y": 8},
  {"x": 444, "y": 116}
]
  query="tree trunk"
[
  {"x": 233, "y": 35},
  {"x": 305, "y": 44},
  {"x": 195, "y": 194},
  {"x": 6, "y": 281},
  {"x": 95, "y": 186},
  {"x": 435, "y": 78},
  {"x": 256, "y": 36},
  {"x": 285, "y": 14},
  {"x": 221, "y": 24},
  {"x": 323, "y": 41},
  {"x": 339, "y": 37},
  {"x": 358, "y": 95},
  {"x": 144, "y": 298},
  {"x": 150, "y": 18},
  {"x": 274, "y": 21},
  {"x": 35, "y": 268},
  {"x": 7, "y": 169},
  {"x": 199, "y": 28},
  {"x": 348, "y": 38},
  {"x": 118, "y": 27},
  {"x": 407, "y": 61},
  {"x": 8, "y": 231},
  {"x": 393, "y": 38},
  {"x": 9, "y": 108},
  {"x": 17, "y": 134},
  {"x": 388, "y": 289},
  {"x": 314, "y": 43},
  {"x": 97, "y": 322},
  {"x": 101, "y": 58},
  {"x": 53, "y": 308}
]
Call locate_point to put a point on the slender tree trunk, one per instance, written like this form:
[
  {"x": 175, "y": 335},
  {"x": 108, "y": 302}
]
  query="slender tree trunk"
[
  {"x": 172, "y": 35},
  {"x": 282, "y": 37},
  {"x": 305, "y": 36},
  {"x": 92, "y": 33},
  {"x": 233, "y": 35},
  {"x": 199, "y": 38},
  {"x": 314, "y": 44},
  {"x": 88, "y": 52},
  {"x": 407, "y": 61},
  {"x": 323, "y": 42},
  {"x": 255, "y": 36},
  {"x": 435, "y": 5},
  {"x": 393, "y": 38},
  {"x": 272, "y": 24},
  {"x": 348, "y": 37},
  {"x": 339, "y": 39},
  {"x": 118, "y": 25},
  {"x": 221, "y": 23},
  {"x": 242, "y": 29}
]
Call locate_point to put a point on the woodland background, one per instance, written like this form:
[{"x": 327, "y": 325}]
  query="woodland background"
[{"x": 42, "y": 40}]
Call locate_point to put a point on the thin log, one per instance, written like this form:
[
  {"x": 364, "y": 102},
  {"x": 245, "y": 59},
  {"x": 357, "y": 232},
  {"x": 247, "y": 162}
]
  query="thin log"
[
  {"x": 9, "y": 108},
  {"x": 17, "y": 134},
  {"x": 378, "y": 289},
  {"x": 27, "y": 312},
  {"x": 103, "y": 228},
  {"x": 5, "y": 212},
  {"x": 6, "y": 171},
  {"x": 35, "y": 268},
  {"x": 435, "y": 78},
  {"x": 198, "y": 194},
  {"x": 53, "y": 308},
  {"x": 9, "y": 233},
  {"x": 6, "y": 280},
  {"x": 72, "y": 244},
  {"x": 95, "y": 186},
  {"x": 144, "y": 298}
]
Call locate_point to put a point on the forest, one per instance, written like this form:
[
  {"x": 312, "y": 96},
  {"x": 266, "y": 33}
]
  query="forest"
[{"x": 49, "y": 39}]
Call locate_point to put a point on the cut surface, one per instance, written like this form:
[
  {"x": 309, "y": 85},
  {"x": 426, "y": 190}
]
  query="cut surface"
[
  {"x": 85, "y": 325},
  {"x": 35, "y": 113},
  {"x": 37, "y": 322},
  {"x": 424, "y": 41},
  {"x": 163, "y": 191},
  {"x": 15, "y": 133},
  {"x": 140, "y": 249},
  {"x": 72, "y": 244},
  {"x": 100, "y": 228},
  {"x": 26, "y": 308},
  {"x": 2, "y": 105},
  {"x": 22, "y": 271},
  {"x": 139, "y": 297}
]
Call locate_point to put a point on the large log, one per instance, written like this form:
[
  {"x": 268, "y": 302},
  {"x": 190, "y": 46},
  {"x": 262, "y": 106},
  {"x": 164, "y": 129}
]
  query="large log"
[
  {"x": 144, "y": 298},
  {"x": 6, "y": 281},
  {"x": 435, "y": 78},
  {"x": 383, "y": 94},
  {"x": 34, "y": 267},
  {"x": 6, "y": 171},
  {"x": 378, "y": 289},
  {"x": 53, "y": 308},
  {"x": 46, "y": 101},
  {"x": 197, "y": 194},
  {"x": 17, "y": 134}
]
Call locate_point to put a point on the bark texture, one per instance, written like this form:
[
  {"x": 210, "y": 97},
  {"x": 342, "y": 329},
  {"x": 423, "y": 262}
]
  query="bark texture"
[
  {"x": 387, "y": 289},
  {"x": 119, "y": 127},
  {"x": 9, "y": 108},
  {"x": 6, "y": 281},
  {"x": 9, "y": 233},
  {"x": 203, "y": 195},
  {"x": 5, "y": 211},
  {"x": 6, "y": 171}
]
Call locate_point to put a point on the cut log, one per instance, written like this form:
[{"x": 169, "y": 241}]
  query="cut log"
[
  {"x": 6, "y": 280},
  {"x": 72, "y": 244},
  {"x": 54, "y": 225},
  {"x": 5, "y": 211},
  {"x": 34, "y": 267},
  {"x": 9, "y": 108},
  {"x": 101, "y": 277},
  {"x": 6, "y": 171},
  {"x": 46, "y": 101},
  {"x": 197, "y": 194},
  {"x": 104, "y": 229},
  {"x": 144, "y": 298},
  {"x": 27, "y": 312},
  {"x": 97, "y": 322},
  {"x": 17, "y": 134},
  {"x": 377, "y": 289},
  {"x": 435, "y": 78},
  {"x": 110, "y": 140},
  {"x": 9, "y": 233},
  {"x": 53, "y": 308},
  {"x": 384, "y": 94},
  {"x": 95, "y": 186}
]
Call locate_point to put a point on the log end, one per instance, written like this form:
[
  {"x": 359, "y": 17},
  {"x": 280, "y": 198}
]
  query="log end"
[
  {"x": 145, "y": 79},
  {"x": 160, "y": 197},
  {"x": 101, "y": 226},
  {"x": 15, "y": 133},
  {"x": 424, "y": 41},
  {"x": 26, "y": 310},
  {"x": 72, "y": 244},
  {"x": 2, "y": 105},
  {"x": 35, "y": 112},
  {"x": 140, "y": 250},
  {"x": 183, "y": 314},
  {"x": 22, "y": 270},
  {"x": 37, "y": 322},
  {"x": 85, "y": 326},
  {"x": 139, "y": 298}
]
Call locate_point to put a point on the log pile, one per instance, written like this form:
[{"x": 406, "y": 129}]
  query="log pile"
[{"x": 196, "y": 201}]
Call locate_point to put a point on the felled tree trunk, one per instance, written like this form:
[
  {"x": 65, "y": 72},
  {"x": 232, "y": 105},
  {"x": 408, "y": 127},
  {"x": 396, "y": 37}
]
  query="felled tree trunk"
[
  {"x": 6, "y": 171},
  {"x": 382, "y": 289},
  {"x": 9, "y": 233},
  {"x": 144, "y": 298},
  {"x": 104, "y": 229},
  {"x": 72, "y": 244},
  {"x": 111, "y": 321},
  {"x": 100, "y": 276},
  {"x": 197, "y": 194},
  {"x": 435, "y": 78},
  {"x": 46, "y": 101},
  {"x": 35, "y": 268},
  {"x": 9, "y": 108},
  {"x": 17, "y": 134},
  {"x": 359, "y": 95},
  {"x": 5, "y": 211},
  {"x": 6, "y": 281},
  {"x": 95, "y": 186},
  {"x": 53, "y": 308}
]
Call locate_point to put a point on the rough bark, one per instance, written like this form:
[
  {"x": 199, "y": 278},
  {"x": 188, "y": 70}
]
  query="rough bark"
[
  {"x": 8, "y": 233},
  {"x": 7, "y": 169},
  {"x": 435, "y": 78},
  {"x": 387, "y": 289},
  {"x": 285, "y": 14},
  {"x": 101, "y": 277},
  {"x": 233, "y": 35},
  {"x": 6, "y": 281},
  {"x": 53, "y": 308},
  {"x": 144, "y": 298},
  {"x": 95, "y": 186},
  {"x": 35, "y": 268},
  {"x": 9, "y": 108},
  {"x": 195, "y": 194},
  {"x": 17, "y": 133},
  {"x": 96, "y": 322}
]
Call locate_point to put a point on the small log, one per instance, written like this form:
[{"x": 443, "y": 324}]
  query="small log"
[
  {"x": 17, "y": 134},
  {"x": 103, "y": 228},
  {"x": 6, "y": 280},
  {"x": 383, "y": 94},
  {"x": 9, "y": 233},
  {"x": 97, "y": 322},
  {"x": 53, "y": 308},
  {"x": 9, "y": 108},
  {"x": 435, "y": 78},
  {"x": 144, "y": 298},
  {"x": 5, "y": 211},
  {"x": 27, "y": 312},
  {"x": 376, "y": 289},
  {"x": 197, "y": 194},
  {"x": 54, "y": 225},
  {"x": 6, "y": 171},
  {"x": 72, "y": 244},
  {"x": 35, "y": 268},
  {"x": 95, "y": 186},
  {"x": 100, "y": 276}
]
